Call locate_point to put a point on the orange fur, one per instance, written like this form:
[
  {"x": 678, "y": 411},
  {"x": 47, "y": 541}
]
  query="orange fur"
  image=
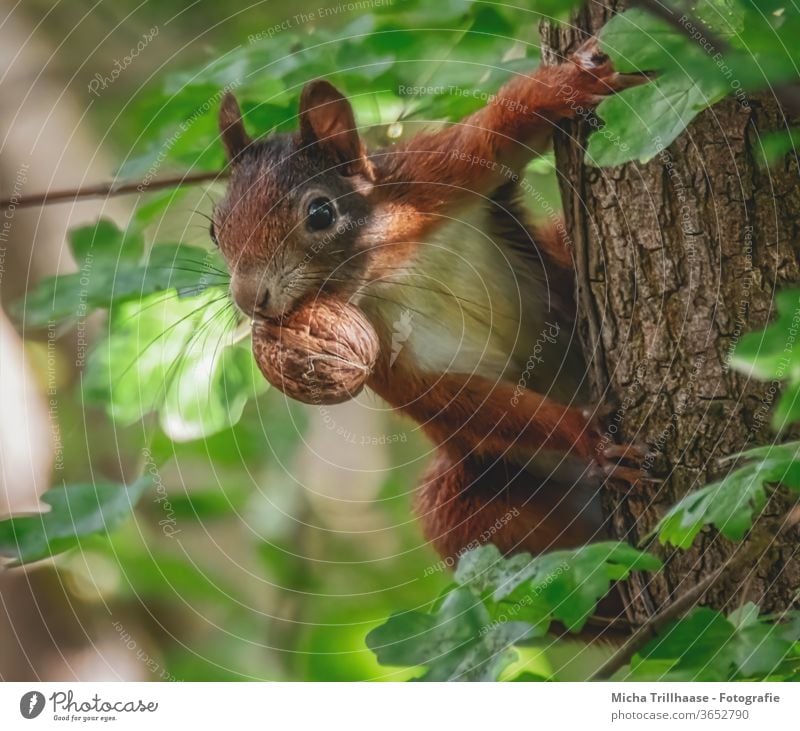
[
  {"x": 472, "y": 418},
  {"x": 472, "y": 415},
  {"x": 485, "y": 150},
  {"x": 464, "y": 503}
]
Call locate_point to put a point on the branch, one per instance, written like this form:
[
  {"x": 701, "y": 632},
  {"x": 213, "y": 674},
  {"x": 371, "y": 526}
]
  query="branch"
[
  {"x": 787, "y": 95},
  {"x": 647, "y": 631},
  {"x": 654, "y": 7},
  {"x": 105, "y": 190}
]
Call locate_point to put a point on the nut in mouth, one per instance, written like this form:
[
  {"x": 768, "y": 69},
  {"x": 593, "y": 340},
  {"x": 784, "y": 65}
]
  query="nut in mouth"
[{"x": 323, "y": 352}]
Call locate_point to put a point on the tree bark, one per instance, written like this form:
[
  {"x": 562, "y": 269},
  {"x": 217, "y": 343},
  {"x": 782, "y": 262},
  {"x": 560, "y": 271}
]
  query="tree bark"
[{"x": 676, "y": 259}]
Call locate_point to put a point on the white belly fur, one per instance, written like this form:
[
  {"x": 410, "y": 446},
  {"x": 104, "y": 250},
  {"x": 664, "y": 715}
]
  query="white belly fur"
[{"x": 468, "y": 304}]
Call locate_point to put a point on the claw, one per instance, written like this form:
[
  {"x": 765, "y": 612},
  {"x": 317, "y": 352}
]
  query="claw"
[
  {"x": 629, "y": 475},
  {"x": 632, "y": 473},
  {"x": 635, "y": 452},
  {"x": 620, "y": 82}
]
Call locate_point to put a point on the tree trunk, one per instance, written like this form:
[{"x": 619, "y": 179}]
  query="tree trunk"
[{"x": 676, "y": 259}]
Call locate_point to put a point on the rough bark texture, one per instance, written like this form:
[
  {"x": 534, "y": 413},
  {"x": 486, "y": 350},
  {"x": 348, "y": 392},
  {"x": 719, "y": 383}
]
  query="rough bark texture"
[{"x": 676, "y": 259}]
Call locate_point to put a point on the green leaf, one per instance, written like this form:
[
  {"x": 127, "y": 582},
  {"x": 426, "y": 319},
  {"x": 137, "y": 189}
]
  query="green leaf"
[
  {"x": 773, "y": 146},
  {"x": 705, "y": 645},
  {"x": 636, "y": 40},
  {"x": 553, "y": 9},
  {"x": 210, "y": 392},
  {"x": 462, "y": 44},
  {"x": 113, "y": 269},
  {"x": 104, "y": 241},
  {"x": 698, "y": 643},
  {"x": 732, "y": 504},
  {"x": 459, "y": 642},
  {"x": 402, "y": 639},
  {"x": 527, "y": 677},
  {"x": 643, "y": 121},
  {"x": 787, "y": 412},
  {"x": 773, "y": 354},
  {"x": 725, "y": 17},
  {"x": 562, "y": 585},
  {"x": 485, "y": 569},
  {"x": 729, "y": 505},
  {"x": 500, "y": 602},
  {"x": 574, "y": 581},
  {"x": 770, "y": 354},
  {"x": 76, "y": 512},
  {"x": 693, "y": 74},
  {"x": 744, "y": 616}
]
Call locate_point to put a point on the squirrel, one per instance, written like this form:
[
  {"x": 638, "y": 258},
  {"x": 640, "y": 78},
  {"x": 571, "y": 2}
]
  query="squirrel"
[{"x": 474, "y": 306}]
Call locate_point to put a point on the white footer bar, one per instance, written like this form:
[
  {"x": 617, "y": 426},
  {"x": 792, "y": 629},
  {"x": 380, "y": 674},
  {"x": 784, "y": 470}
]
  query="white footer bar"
[{"x": 398, "y": 706}]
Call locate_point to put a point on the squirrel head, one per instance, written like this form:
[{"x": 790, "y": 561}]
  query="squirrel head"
[{"x": 300, "y": 213}]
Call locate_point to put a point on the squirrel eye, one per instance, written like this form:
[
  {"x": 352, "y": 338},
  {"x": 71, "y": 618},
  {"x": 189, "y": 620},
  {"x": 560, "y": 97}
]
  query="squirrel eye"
[
  {"x": 213, "y": 234},
  {"x": 321, "y": 214}
]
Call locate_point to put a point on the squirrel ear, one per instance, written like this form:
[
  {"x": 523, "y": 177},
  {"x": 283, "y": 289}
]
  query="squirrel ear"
[
  {"x": 231, "y": 128},
  {"x": 326, "y": 119}
]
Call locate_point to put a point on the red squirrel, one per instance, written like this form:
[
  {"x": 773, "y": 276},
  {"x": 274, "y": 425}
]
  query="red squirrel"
[{"x": 474, "y": 306}]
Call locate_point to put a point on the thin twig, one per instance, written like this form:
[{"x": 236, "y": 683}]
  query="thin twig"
[
  {"x": 647, "y": 631},
  {"x": 108, "y": 189},
  {"x": 654, "y": 7},
  {"x": 744, "y": 553},
  {"x": 786, "y": 95}
]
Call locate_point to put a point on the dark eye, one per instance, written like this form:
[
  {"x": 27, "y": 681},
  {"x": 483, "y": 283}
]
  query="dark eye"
[
  {"x": 321, "y": 214},
  {"x": 213, "y": 234}
]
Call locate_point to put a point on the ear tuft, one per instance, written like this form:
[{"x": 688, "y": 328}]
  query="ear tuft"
[
  {"x": 231, "y": 128},
  {"x": 327, "y": 120}
]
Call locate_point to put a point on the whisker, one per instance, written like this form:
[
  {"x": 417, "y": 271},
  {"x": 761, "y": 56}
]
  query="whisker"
[
  {"x": 202, "y": 214},
  {"x": 174, "y": 370},
  {"x": 207, "y": 194},
  {"x": 194, "y": 262},
  {"x": 224, "y": 331},
  {"x": 169, "y": 294},
  {"x": 205, "y": 328},
  {"x": 215, "y": 280},
  {"x": 187, "y": 267},
  {"x": 200, "y": 262}
]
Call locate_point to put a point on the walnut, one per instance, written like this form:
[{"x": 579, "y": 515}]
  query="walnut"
[{"x": 322, "y": 353}]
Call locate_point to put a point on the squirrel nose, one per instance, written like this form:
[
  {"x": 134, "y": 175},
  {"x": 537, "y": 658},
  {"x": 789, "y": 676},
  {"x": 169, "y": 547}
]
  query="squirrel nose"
[{"x": 250, "y": 293}]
